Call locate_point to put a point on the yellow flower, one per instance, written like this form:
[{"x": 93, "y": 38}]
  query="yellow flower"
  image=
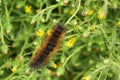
[
  {"x": 101, "y": 15},
  {"x": 86, "y": 78},
  {"x": 40, "y": 32},
  {"x": 72, "y": 12},
  {"x": 90, "y": 12},
  {"x": 118, "y": 23},
  {"x": 54, "y": 65},
  {"x": 71, "y": 42},
  {"x": 49, "y": 32},
  {"x": 27, "y": 9},
  {"x": 13, "y": 69}
]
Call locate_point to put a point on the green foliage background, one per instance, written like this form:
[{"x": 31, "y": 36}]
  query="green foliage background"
[{"x": 94, "y": 56}]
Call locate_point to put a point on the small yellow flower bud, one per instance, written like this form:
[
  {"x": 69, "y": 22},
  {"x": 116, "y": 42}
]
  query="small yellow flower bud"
[
  {"x": 70, "y": 42},
  {"x": 101, "y": 16},
  {"x": 49, "y": 32},
  {"x": 86, "y": 78},
  {"x": 72, "y": 12},
  {"x": 13, "y": 69},
  {"x": 90, "y": 12},
  {"x": 27, "y": 9},
  {"x": 118, "y": 23},
  {"x": 40, "y": 32},
  {"x": 54, "y": 65}
]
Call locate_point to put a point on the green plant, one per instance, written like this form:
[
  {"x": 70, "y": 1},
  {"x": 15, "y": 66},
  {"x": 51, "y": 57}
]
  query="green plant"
[{"x": 90, "y": 49}]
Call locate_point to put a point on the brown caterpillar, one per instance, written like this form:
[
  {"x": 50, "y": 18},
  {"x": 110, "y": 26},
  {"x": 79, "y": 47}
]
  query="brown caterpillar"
[{"x": 48, "y": 47}]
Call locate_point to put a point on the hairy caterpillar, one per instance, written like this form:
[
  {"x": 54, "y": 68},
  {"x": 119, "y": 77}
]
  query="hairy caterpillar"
[{"x": 48, "y": 47}]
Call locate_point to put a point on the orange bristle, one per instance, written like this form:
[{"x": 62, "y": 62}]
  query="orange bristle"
[{"x": 48, "y": 47}]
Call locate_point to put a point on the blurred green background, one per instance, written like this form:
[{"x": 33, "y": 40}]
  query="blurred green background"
[{"x": 90, "y": 49}]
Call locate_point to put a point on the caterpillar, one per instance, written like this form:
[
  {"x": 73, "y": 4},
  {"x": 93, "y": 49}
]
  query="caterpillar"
[{"x": 48, "y": 47}]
